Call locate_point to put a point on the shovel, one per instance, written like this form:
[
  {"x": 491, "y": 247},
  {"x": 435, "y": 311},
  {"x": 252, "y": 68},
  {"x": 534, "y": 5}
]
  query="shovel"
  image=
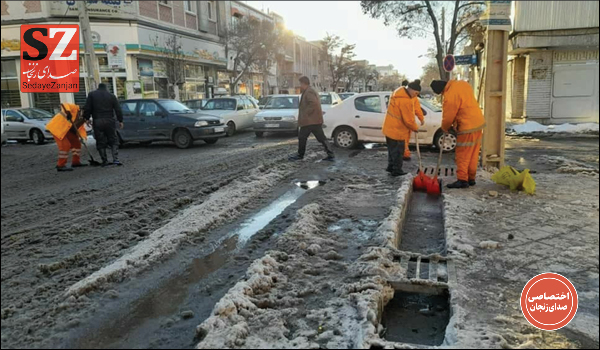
[
  {"x": 434, "y": 186},
  {"x": 420, "y": 181},
  {"x": 83, "y": 142}
]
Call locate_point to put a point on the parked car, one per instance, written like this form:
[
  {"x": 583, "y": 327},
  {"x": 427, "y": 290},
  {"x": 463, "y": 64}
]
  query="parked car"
[
  {"x": 262, "y": 102},
  {"x": 345, "y": 95},
  {"x": 360, "y": 119},
  {"x": 237, "y": 111},
  {"x": 151, "y": 120},
  {"x": 279, "y": 114},
  {"x": 4, "y": 139},
  {"x": 195, "y": 104},
  {"x": 24, "y": 124},
  {"x": 329, "y": 99}
]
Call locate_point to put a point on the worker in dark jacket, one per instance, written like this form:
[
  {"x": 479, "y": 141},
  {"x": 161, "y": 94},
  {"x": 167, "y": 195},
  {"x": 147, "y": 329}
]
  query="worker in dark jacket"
[
  {"x": 310, "y": 120},
  {"x": 102, "y": 106}
]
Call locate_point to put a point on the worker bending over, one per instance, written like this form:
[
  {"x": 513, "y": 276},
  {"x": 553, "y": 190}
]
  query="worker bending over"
[
  {"x": 399, "y": 122},
  {"x": 67, "y": 129},
  {"x": 461, "y": 111}
]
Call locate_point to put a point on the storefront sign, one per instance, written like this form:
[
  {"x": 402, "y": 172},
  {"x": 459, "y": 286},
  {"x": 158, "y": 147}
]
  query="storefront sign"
[
  {"x": 116, "y": 56},
  {"x": 145, "y": 68},
  {"x": 49, "y": 58},
  {"x": 107, "y": 8},
  {"x": 497, "y": 15}
]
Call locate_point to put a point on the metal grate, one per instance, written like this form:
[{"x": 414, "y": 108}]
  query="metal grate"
[
  {"x": 443, "y": 171},
  {"x": 424, "y": 268}
]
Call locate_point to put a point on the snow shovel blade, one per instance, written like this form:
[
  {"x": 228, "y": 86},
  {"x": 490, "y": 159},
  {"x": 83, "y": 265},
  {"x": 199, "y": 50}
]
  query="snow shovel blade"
[
  {"x": 420, "y": 182},
  {"x": 434, "y": 186}
]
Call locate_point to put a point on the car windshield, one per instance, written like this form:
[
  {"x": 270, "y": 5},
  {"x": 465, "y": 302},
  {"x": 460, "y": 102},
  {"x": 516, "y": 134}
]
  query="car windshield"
[
  {"x": 220, "y": 104},
  {"x": 36, "y": 113},
  {"x": 263, "y": 101},
  {"x": 431, "y": 104},
  {"x": 174, "y": 106},
  {"x": 325, "y": 99},
  {"x": 290, "y": 102},
  {"x": 345, "y": 96}
]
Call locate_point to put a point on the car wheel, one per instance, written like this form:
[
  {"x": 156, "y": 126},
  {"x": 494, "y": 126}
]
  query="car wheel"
[
  {"x": 259, "y": 133},
  {"x": 211, "y": 141},
  {"x": 183, "y": 139},
  {"x": 449, "y": 141},
  {"x": 230, "y": 129},
  {"x": 345, "y": 137},
  {"x": 38, "y": 137}
]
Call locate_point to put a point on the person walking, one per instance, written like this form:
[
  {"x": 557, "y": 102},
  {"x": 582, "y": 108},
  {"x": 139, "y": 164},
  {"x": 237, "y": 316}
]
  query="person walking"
[
  {"x": 398, "y": 123},
  {"x": 310, "y": 120},
  {"x": 461, "y": 111},
  {"x": 420, "y": 115},
  {"x": 102, "y": 106}
]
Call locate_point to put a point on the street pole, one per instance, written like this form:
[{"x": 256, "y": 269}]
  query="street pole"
[{"x": 93, "y": 71}]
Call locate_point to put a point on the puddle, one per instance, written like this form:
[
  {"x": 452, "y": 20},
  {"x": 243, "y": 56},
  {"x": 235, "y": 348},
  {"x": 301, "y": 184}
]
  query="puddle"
[
  {"x": 309, "y": 185},
  {"x": 423, "y": 230},
  {"x": 374, "y": 145},
  {"x": 416, "y": 318},
  {"x": 357, "y": 229}
]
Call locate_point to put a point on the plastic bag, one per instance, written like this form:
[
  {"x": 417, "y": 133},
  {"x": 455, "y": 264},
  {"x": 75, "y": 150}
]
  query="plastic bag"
[
  {"x": 517, "y": 181},
  {"x": 503, "y": 176}
]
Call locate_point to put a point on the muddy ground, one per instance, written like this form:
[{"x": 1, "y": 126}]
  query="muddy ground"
[{"x": 58, "y": 229}]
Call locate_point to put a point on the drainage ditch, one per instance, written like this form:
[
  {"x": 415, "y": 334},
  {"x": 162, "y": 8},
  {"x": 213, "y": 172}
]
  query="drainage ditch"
[{"x": 423, "y": 229}]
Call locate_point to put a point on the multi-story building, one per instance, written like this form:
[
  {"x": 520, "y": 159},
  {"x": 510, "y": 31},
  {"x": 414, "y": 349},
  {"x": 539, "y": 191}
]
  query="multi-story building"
[
  {"x": 553, "y": 69},
  {"x": 384, "y": 71}
]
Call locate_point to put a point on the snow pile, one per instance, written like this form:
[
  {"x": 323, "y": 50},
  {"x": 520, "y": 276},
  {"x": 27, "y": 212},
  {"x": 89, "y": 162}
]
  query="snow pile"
[
  {"x": 535, "y": 127},
  {"x": 196, "y": 220},
  {"x": 390, "y": 229}
]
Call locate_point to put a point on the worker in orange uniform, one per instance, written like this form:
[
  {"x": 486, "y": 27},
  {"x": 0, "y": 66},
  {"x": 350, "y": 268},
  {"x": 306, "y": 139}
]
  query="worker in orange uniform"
[
  {"x": 419, "y": 114},
  {"x": 399, "y": 122},
  {"x": 65, "y": 127},
  {"x": 461, "y": 111}
]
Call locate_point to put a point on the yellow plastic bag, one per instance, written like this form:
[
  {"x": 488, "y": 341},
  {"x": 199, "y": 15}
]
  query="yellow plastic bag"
[
  {"x": 503, "y": 176},
  {"x": 528, "y": 183}
]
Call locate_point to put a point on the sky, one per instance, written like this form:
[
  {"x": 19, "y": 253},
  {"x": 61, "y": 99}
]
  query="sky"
[{"x": 374, "y": 41}]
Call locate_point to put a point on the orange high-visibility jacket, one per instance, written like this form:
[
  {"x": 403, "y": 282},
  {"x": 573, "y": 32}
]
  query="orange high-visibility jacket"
[
  {"x": 460, "y": 108},
  {"x": 400, "y": 117},
  {"x": 60, "y": 125},
  {"x": 418, "y": 110}
]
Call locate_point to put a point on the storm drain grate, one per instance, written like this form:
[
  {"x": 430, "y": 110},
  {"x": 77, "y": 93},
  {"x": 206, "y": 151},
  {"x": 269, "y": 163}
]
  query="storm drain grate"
[
  {"x": 424, "y": 268},
  {"x": 443, "y": 171}
]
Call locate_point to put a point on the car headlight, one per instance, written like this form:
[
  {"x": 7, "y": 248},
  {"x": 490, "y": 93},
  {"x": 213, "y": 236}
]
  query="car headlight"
[
  {"x": 201, "y": 123},
  {"x": 289, "y": 117},
  {"x": 258, "y": 119}
]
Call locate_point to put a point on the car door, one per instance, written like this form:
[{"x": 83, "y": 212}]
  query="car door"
[
  {"x": 14, "y": 125},
  {"x": 239, "y": 116},
  {"x": 252, "y": 110},
  {"x": 368, "y": 116},
  {"x": 131, "y": 121},
  {"x": 153, "y": 121}
]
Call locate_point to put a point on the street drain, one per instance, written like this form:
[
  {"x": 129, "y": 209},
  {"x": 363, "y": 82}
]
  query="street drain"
[
  {"x": 309, "y": 185},
  {"x": 442, "y": 171},
  {"x": 425, "y": 268},
  {"x": 416, "y": 318},
  {"x": 423, "y": 228}
]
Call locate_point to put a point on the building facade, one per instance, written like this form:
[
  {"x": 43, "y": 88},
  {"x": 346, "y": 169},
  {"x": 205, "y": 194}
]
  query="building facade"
[{"x": 553, "y": 67}]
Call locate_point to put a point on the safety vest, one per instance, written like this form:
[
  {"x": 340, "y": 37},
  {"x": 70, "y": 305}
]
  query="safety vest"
[{"x": 63, "y": 121}]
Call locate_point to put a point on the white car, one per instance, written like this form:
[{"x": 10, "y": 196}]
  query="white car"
[
  {"x": 345, "y": 95},
  {"x": 360, "y": 119},
  {"x": 329, "y": 99},
  {"x": 25, "y": 124},
  {"x": 280, "y": 114},
  {"x": 237, "y": 111}
]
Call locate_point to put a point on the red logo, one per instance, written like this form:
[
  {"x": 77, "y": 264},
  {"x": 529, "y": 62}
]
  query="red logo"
[
  {"x": 549, "y": 301},
  {"x": 49, "y": 58}
]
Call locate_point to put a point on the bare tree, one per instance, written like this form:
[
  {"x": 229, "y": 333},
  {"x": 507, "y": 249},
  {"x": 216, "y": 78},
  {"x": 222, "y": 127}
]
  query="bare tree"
[
  {"x": 340, "y": 64},
  {"x": 173, "y": 58},
  {"x": 422, "y": 18},
  {"x": 250, "y": 45}
]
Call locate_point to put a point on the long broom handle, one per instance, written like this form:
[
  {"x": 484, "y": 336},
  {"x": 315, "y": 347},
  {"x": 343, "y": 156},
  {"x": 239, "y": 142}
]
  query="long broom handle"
[
  {"x": 437, "y": 168},
  {"x": 418, "y": 151}
]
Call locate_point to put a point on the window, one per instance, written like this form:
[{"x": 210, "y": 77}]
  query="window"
[
  {"x": 220, "y": 104},
  {"x": 211, "y": 10},
  {"x": 128, "y": 109},
  {"x": 249, "y": 104},
  {"x": 368, "y": 104},
  {"x": 148, "y": 108},
  {"x": 36, "y": 113},
  {"x": 282, "y": 103},
  {"x": 174, "y": 106},
  {"x": 325, "y": 99},
  {"x": 188, "y": 6},
  {"x": 10, "y": 85},
  {"x": 12, "y": 116}
]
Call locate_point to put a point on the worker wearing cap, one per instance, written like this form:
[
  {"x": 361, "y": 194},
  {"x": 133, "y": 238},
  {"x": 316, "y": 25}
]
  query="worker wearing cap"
[
  {"x": 419, "y": 113},
  {"x": 67, "y": 128},
  {"x": 461, "y": 111},
  {"x": 399, "y": 122}
]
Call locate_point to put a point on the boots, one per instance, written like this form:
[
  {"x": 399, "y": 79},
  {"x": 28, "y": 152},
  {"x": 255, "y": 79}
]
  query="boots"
[
  {"x": 103, "y": 156},
  {"x": 458, "y": 184},
  {"x": 472, "y": 183},
  {"x": 115, "y": 155}
]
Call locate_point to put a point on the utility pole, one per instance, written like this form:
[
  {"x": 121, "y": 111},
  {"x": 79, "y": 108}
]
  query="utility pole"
[{"x": 91, "y": 63}]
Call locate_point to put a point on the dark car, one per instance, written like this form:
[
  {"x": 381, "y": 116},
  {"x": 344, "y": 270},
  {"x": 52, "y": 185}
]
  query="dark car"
[{"x": 151, "y": 120}]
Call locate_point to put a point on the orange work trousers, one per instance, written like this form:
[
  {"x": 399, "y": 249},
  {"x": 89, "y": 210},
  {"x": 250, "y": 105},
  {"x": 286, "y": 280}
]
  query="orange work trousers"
[
  {"x": 69, "y": 143},
  {"x": 467, "y": 155}
]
